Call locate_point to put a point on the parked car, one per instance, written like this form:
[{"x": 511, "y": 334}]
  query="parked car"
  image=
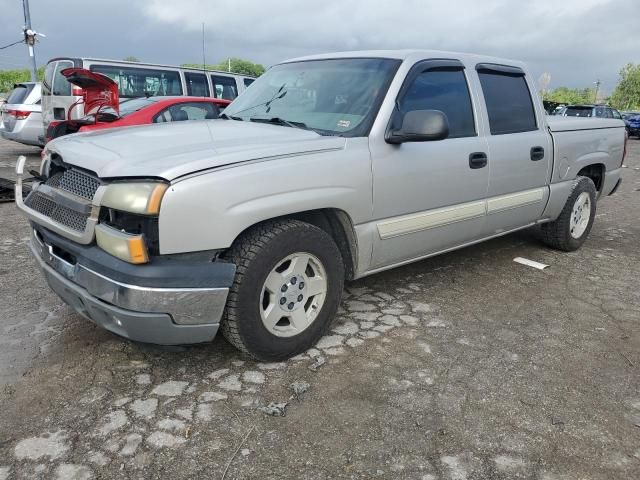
[
  {"x": 329, "y": 168},
  {"x": 134, "y": 80},
  {"x": 633, "y": 124},
  {"x": 22, "y": 115},
  {"x": 103, "y": 109}
]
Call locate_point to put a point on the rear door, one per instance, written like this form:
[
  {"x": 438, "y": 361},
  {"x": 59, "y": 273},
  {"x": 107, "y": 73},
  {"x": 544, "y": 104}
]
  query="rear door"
[{"x": 520, "y": 149}]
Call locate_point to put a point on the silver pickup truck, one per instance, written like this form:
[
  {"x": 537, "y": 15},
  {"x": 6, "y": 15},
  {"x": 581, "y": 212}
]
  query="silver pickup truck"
[{"x": 328, "y": 168}]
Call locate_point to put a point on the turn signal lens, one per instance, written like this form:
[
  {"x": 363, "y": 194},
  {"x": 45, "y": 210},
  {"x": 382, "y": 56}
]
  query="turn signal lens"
[{"x": 127, "y": 247}]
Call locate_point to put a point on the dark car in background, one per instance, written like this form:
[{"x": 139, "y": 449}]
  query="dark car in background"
[{"x": 632, "y": 120}]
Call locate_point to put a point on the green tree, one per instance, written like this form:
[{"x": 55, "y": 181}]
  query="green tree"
[
  {"x": 8, "y": 78},
  {"x": 626, "y": 95},
  {"x": 131, "y": 58},
  {"x": 238, "y": 65},
  {"x": 574, "y": 96}
]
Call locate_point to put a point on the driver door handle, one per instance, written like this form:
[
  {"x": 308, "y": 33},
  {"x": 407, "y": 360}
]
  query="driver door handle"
[
  {"x": 537, "y": 153},
  {"x": 477, "y": 160}
]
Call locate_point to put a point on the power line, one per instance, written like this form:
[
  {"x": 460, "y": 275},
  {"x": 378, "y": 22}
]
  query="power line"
[{"x": 12, "y": 44}]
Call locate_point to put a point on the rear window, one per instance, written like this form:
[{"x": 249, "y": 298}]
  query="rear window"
[
  {"x": 508, "y": 102},
  {"x": 127, "y": 107},
  {"x": 141, "y": 82},
  {"x": 578, "y": 111},
  {"x": 19, "y": 93}
]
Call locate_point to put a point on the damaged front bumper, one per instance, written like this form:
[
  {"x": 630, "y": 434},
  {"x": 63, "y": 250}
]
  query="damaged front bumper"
[{"x": 155, "y": 303}]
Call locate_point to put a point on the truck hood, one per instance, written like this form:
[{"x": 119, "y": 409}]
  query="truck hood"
[{"x": 176, "y": 149}]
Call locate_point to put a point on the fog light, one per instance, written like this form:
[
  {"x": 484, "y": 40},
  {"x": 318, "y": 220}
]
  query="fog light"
[{"x": 127, "y": 247}]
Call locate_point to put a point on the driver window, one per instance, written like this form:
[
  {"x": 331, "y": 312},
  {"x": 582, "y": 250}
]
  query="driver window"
[{"x": 445, "y": 90}]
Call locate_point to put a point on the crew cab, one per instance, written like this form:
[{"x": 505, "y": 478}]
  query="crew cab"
[{"x": 329, "y": 168}]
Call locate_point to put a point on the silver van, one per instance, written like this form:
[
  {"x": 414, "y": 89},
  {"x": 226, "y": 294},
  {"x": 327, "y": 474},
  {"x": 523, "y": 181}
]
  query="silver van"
[{"x": 22, "y": 115}]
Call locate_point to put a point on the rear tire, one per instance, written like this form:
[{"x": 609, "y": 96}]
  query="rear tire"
[
  {"x": 570, "y": 230},
  {"x": 269, "y": 314}
]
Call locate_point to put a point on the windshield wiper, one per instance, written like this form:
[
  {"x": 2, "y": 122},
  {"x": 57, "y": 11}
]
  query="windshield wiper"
[
  {"x": 279, "y": 121},
  {"x": 276, "y": 96},
  {"x": 229, "y": 117}
]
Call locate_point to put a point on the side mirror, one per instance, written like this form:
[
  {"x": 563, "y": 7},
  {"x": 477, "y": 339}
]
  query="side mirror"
[{"x": 420, "y": 126}]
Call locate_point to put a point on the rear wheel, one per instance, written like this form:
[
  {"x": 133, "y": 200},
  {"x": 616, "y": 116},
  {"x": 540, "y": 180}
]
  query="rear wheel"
[
  {"x": 570, "y": 230},
  {"x": 287, "y": 289}
]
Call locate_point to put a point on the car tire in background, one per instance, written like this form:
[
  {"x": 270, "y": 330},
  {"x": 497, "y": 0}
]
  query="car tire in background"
[
  {"x": 570, "y": 230},
  {"x": 288, "y": 285}
]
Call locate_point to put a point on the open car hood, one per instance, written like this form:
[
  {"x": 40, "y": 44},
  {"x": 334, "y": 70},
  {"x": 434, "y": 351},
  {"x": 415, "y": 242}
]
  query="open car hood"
[{"x": 98, "y": 91}]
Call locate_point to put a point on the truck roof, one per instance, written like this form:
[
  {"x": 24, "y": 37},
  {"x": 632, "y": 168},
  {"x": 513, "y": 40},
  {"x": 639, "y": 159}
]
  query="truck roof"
[{"x": 410, "y": 54}]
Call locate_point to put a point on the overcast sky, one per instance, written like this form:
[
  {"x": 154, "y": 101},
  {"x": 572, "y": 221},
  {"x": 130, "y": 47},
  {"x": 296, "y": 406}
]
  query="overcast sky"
[{"x": 576, "y": 41}]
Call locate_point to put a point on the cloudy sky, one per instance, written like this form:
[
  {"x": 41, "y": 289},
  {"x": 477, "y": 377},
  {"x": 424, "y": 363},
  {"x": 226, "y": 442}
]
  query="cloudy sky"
[{"x": 576, "y": 41}]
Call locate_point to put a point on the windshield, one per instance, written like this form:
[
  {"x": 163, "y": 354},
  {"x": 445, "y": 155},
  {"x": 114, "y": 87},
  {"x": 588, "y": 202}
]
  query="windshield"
[{"x": 334, "y": 97}]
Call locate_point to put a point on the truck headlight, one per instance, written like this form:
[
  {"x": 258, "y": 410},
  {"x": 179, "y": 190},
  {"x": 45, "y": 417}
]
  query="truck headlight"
[{"x": 135, "y": 197}]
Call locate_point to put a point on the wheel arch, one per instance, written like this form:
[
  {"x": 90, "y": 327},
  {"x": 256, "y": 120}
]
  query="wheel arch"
[
  {"x": 596, "y": 172},
  {"x": 335, "y": 222}
]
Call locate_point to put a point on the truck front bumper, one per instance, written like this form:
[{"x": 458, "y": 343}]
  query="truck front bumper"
[{"x": 149, "y": 313}]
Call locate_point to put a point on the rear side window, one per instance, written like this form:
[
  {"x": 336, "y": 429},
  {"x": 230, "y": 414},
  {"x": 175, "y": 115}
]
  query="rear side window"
[
  {"x": 248, "y": 81},
  {"x": 19, "y": 94},
  {"x": 508, "y": 101},
  {"x": 224, "y": 87},
  {"x": 188, "y": 111},
  {"x": 616, "y": 114},
  {"x": 141, "y": 82},
  {"x": 197, "y": 85},
  {"x": 445, "y": 90}
]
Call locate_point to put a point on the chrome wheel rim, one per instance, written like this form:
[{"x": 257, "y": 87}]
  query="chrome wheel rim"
[
  {"x": 580, "y": 215},
  {"x": 293, "y": 294}
]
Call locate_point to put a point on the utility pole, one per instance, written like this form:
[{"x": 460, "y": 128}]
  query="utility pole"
[
  {"x": 30, "y": 39},
  {"x": 597, "y": 84}
]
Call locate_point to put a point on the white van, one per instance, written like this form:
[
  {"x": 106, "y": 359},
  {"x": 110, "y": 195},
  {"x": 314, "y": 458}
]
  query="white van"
[{"x": 134, "y": 80}]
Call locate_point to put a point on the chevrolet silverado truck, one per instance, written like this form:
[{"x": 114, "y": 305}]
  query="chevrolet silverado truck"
[{"x": 328, "y": 168}]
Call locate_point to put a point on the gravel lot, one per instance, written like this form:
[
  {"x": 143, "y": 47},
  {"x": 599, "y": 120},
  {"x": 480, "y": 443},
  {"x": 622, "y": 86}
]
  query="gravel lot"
[{"x": 465, "y": 366}]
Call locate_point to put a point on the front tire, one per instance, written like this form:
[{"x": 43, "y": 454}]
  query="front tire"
[
  {"x": 570, "y": 230},
  {"x": 288, "y": 285}
]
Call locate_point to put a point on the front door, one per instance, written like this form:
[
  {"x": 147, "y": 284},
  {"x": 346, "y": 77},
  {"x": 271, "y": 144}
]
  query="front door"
[
  {"x": 429, "y": 196},
  {"x": 520, "y": 150}
]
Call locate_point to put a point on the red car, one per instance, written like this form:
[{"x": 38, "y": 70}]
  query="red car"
[{"x": 103, "y": 109}]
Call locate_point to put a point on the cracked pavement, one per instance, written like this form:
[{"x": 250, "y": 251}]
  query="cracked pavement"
[{"x": 463, "y": 366}]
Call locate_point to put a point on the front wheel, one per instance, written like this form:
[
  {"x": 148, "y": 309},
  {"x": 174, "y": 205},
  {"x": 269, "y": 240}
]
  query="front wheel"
[
  {"x": 288, "y": 285},
  {"x": 570, "y": 230}
]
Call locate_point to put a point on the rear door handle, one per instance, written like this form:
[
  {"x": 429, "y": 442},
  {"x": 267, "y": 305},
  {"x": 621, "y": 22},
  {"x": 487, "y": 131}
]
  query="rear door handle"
[
  {"x": 477, "y": 160},
  {"x": 537, "y": 153}
]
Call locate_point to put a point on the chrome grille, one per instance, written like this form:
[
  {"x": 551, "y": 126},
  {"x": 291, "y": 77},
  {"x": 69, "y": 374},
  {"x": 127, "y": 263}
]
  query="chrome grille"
[
  {"x": 76, "y": 182},
  {"x": 58, "y": 213}
]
